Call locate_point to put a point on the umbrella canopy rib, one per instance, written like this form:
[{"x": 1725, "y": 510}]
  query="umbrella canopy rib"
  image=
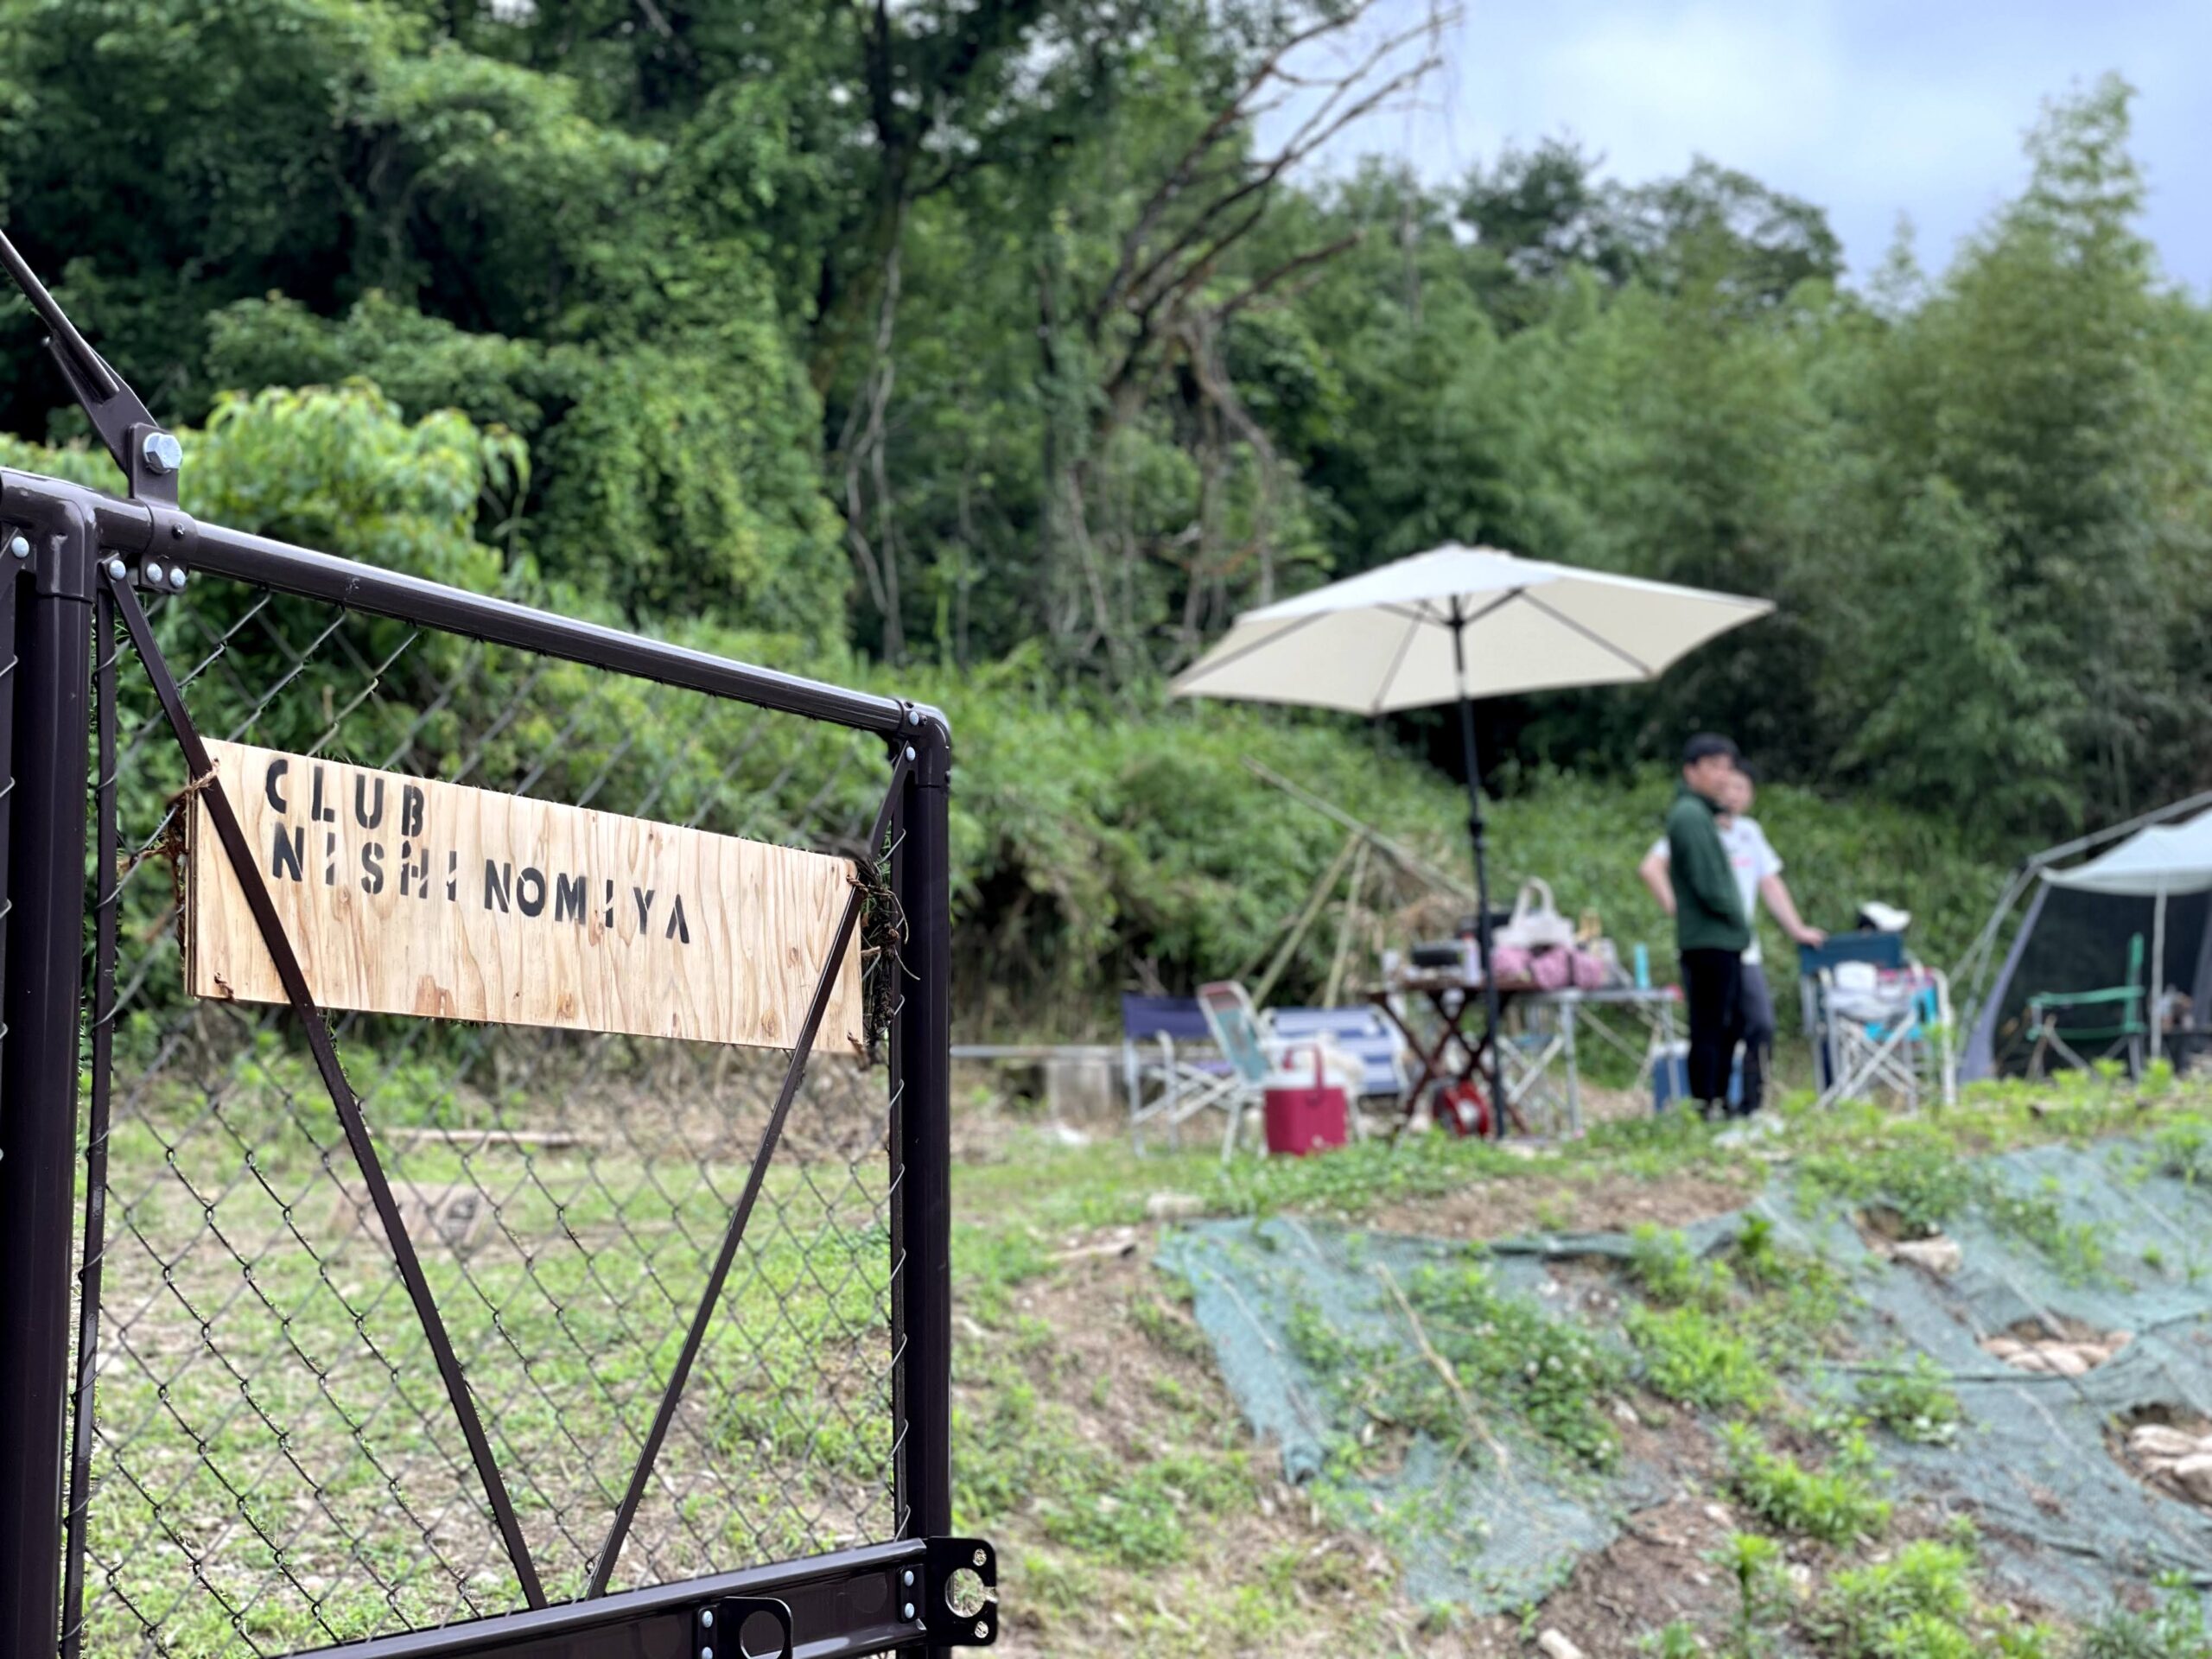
[
  {"x": 1216, "y": 664},
  {"x": 1643, "y": 668},
  {"x": 1405, "y": 647}
]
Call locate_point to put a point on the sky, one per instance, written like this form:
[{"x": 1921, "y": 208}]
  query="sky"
[{"x": 1870, "y": 110}]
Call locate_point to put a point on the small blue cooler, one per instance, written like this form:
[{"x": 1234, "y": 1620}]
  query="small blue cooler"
[{"x": 1670, "y": 1077}]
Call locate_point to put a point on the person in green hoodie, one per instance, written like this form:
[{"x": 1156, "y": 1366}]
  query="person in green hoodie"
[{"x": 1711, "y": 930}]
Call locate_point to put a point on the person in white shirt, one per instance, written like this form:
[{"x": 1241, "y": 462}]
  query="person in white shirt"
[{"x": 1759, "y": 875}]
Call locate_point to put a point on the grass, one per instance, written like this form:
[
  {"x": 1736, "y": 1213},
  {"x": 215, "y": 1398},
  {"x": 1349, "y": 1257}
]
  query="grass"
[{"x": 1130, "y": 1504}]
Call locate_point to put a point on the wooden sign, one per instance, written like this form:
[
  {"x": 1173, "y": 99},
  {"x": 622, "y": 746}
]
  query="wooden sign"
[{"x": 404, "y": 895}]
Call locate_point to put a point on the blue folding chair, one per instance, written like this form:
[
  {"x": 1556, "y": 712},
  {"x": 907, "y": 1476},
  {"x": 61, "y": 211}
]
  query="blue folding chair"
[{"x": 1884, "y": 950}]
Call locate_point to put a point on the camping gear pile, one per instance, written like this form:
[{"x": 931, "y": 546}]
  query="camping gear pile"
[{"x": 1448, "y": 626}]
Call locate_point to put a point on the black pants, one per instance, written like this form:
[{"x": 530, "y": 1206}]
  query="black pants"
[
  {"x": 1712, "y": 986},
  {"x": 1755, "y": 1027}
]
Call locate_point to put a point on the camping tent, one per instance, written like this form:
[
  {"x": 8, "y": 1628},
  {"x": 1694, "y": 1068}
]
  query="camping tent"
[{"x": 2080, "y": 922}]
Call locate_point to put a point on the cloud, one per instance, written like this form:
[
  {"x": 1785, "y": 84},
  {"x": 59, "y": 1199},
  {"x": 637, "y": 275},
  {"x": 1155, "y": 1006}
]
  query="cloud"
[{"x": 1869, "y": 108}]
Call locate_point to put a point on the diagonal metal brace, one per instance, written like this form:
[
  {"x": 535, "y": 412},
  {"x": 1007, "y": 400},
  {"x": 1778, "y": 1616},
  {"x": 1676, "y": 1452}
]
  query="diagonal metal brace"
[
  {"x": 116, "y": 411},
  {"x": 256, "y": 891}
]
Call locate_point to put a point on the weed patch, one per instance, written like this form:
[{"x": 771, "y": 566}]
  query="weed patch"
[
  {"x": 2173, "y": 1629},
  {"x": 1691, "y": 1356},
  {"x": 1485, "y": 1346},
  {"x": 1922, "y": 1605},
  {"x": 1556, "y": 1376},
  {"x": 1913, "y": 1400},
  {"x": 1832, "y": 1504},
  {"x": 1662, "y": 1267}
]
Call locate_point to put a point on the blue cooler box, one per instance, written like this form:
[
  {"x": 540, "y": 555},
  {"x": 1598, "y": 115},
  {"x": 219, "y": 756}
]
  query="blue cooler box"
[{"x": 1670, "y": 1077}]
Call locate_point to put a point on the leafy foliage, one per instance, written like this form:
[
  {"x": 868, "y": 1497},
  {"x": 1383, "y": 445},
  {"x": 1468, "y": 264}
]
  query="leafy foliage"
[
  {"x": 1913, "y": 1399},
  {"x": 1697, "y": 1358},
  {"x": 2174, "y": 1628},
  {"x": 1921, "y": 1604},
  {"x": 828, "y": 335},
  {"x": 1832, "y": 1504}
]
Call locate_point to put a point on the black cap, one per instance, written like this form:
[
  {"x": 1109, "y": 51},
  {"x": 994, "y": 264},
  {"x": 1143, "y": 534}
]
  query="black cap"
[{"x": 1708, "y": 743}]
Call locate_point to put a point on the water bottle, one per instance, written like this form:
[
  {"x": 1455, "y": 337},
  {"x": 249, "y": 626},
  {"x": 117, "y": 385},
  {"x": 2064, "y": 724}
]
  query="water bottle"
[{"x": 1642, "y": 967}]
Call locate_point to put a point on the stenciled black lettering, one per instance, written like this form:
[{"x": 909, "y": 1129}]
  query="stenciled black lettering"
[
  {"x": 498, "y": 884},
  {"x": 410, "y": 809},
  {"x": 373, "y": 867},
  {"x": 368, "y": 814},
  {"x": 643, "y": 896},
  {"x": 413, "y": 878},
  {"x": 289, "y": 856},
  {"x": 610, "y": 904},
  {"x": 330, "y": 858},
  {"x": 277, "y": 768},
  {"x": 568, "y": 898},
  {"x": 317, "y": 810},
  {"x": 453, "y": 878},
  {"x": 530, "y": 891},
  {"x": 678, "y": 929}
]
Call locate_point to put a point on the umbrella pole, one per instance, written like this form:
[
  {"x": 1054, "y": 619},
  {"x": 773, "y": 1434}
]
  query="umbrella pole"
[
  {"x": 1476, "y": 837},
  {"x": 2156, "y": 988}
]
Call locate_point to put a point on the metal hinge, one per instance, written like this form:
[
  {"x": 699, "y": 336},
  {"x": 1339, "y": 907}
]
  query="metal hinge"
[{"x": 960, "y": 1602}]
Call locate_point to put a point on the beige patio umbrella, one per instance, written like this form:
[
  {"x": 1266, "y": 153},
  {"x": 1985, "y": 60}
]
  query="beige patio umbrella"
[{"x": 1452, "y": 625}]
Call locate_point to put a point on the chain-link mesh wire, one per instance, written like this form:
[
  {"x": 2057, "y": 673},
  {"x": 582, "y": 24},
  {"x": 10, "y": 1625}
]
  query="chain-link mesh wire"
[{"x": 273, "y": 1461}]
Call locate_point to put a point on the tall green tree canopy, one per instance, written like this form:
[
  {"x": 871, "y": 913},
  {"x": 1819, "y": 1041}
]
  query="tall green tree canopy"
[{"x": 960, "y": 328}]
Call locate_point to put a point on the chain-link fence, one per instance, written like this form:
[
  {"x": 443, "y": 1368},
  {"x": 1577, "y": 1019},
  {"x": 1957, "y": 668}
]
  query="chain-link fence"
[{"x": 659, "y": 1321}]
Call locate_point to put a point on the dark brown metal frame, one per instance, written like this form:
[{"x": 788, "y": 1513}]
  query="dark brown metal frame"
[{"x": 82, "y": 555}]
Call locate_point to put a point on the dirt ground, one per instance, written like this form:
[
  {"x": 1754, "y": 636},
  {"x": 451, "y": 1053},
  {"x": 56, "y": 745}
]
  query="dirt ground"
[{"x": 1608, "y": 1203}]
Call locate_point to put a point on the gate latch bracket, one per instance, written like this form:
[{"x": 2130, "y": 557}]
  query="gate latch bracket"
[
  {"x": 720, "y": 1628},
  {"x": 960, "y": 1603}
]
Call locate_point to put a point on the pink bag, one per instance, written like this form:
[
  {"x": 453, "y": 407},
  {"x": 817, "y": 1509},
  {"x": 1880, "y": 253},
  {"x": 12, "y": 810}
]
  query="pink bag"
[
  {"x": 1509, "y": 965},
  {"x": 1553, "y": 970},
  {"x": 1589, "y": 970}
]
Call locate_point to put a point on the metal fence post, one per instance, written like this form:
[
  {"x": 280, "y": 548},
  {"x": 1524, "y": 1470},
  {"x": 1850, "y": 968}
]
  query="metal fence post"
[
  {"x": 924, "y": 876},
  {"x": 38, "y": 1071}
]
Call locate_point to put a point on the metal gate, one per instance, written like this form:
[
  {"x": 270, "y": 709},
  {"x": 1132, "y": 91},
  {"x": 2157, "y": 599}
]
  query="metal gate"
[{"x": 419, "y": 1336}]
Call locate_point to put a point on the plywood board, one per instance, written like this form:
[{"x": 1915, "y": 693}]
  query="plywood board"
[{"x": 402, "y": 895}]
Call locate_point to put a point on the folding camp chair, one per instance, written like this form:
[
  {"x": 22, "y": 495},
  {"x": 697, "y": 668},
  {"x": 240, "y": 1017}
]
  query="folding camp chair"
[
  {"x": 1170, "y": 1069},
  {"x": 1883, "y": 950},
  {"x": 1255, "y": 1053},
  {"x": 1884, "y": 1031},
  {"x": 2108, "y": 1020}
]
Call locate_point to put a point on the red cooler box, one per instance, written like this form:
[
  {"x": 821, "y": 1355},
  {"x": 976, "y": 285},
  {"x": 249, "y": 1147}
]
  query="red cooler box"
[{"x": 1305, "y": 1111}]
